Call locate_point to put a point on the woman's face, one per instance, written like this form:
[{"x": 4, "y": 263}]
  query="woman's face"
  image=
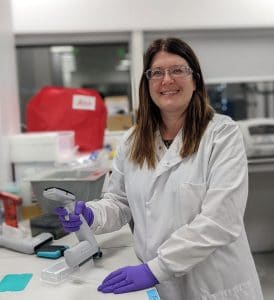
[{"x": 171, "y": 93}]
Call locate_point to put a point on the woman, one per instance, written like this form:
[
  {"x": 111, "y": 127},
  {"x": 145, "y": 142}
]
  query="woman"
[{"x": 181, "y": 175}]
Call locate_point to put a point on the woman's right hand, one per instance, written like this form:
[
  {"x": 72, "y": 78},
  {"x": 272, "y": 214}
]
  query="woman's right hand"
[{"x": 71, "y": 221}]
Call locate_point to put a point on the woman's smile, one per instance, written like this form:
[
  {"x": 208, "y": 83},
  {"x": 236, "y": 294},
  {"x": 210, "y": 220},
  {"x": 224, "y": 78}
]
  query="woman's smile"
[{"x": 171, "y": 93}]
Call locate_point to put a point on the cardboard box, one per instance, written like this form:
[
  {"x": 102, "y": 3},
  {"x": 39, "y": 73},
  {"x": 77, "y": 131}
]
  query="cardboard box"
[
  {"x": 119, "y": 122},
  {"x": 29, "y": 211}
]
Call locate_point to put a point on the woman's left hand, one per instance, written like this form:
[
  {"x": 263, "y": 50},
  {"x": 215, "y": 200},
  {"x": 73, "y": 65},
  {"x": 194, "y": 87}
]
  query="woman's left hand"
[{"x": 128, "y": 279}]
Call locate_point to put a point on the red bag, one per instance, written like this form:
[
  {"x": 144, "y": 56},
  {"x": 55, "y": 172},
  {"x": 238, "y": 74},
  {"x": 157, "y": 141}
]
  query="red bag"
[{"x": 60, "y": 108}]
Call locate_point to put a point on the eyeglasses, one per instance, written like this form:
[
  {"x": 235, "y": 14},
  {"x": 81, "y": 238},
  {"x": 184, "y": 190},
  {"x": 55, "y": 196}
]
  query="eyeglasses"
[{"x": 173, "y": 71}]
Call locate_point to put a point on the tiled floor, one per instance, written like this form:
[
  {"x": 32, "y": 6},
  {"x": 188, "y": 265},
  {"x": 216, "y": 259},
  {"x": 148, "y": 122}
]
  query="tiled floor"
[{"x": 265, "y": 267}]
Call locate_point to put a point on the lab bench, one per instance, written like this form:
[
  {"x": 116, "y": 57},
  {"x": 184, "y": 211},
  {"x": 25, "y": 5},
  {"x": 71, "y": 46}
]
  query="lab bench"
[{"x": 117, "y": 252}]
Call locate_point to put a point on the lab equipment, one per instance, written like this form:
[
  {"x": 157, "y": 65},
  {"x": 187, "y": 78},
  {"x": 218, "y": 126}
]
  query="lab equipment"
[
  {"x": 258, "y": 137},
  {"x": 11, "y": 203},
  {"x": 85, "y": 181},
  {"x": 73, "y": 223},
  {"x": 78, "y": 254},
  {"x": 23, "y": 244},
  {"x": 68, "y": 199},
  {"x": 58, "y": 272},
  {"x": 258, "y": 218},
  {"x": 51, "y": 251},
  {"x": 259, "y": 143}
]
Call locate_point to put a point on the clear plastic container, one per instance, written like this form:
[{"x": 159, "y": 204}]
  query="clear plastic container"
[{"x": 57, "y": 273}]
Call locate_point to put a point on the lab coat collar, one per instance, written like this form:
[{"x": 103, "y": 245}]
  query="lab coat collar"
[{"x": 168, "y": 157}]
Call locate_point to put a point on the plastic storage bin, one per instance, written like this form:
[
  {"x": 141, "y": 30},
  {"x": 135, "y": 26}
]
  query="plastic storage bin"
[
  {"x": 85, "y": 184},
  {"x": 55, "y": 146},
  {"x": 32, "y": 153}
]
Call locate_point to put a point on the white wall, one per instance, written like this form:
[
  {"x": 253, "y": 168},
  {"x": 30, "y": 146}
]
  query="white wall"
[
  {"x": 51, "y": 16},
  {"x": 9, "y": 108},
  {"x": 241, "y": 51}
]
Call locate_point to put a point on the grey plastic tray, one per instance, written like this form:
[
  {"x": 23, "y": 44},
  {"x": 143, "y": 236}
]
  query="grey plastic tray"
[{"x": 86, "y": 185}]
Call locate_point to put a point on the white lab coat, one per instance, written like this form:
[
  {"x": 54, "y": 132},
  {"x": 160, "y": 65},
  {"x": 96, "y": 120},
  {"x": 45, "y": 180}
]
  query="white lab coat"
[{"x": 188, "y": 216}]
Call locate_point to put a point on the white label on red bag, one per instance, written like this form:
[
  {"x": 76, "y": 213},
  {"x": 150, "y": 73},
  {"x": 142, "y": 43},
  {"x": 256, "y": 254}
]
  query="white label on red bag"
[{"x": 83, "y": 102}]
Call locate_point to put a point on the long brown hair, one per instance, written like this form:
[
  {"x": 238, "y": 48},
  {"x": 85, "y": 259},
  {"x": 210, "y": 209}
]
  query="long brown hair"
[{"x": 149, "y": 119}]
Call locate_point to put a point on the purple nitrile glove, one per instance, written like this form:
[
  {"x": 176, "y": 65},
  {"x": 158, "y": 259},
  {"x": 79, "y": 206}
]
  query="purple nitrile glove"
[
  {"x": 71, "y": 222},
  {"x": 128, "y": 279}
]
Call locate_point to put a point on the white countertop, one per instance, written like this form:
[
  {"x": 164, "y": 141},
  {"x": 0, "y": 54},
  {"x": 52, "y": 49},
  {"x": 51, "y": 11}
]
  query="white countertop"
[{"x": 117, "y": 252}]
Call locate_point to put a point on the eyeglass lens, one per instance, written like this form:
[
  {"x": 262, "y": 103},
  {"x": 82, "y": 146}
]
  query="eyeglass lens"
[{"x": 174, "y": 71}]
